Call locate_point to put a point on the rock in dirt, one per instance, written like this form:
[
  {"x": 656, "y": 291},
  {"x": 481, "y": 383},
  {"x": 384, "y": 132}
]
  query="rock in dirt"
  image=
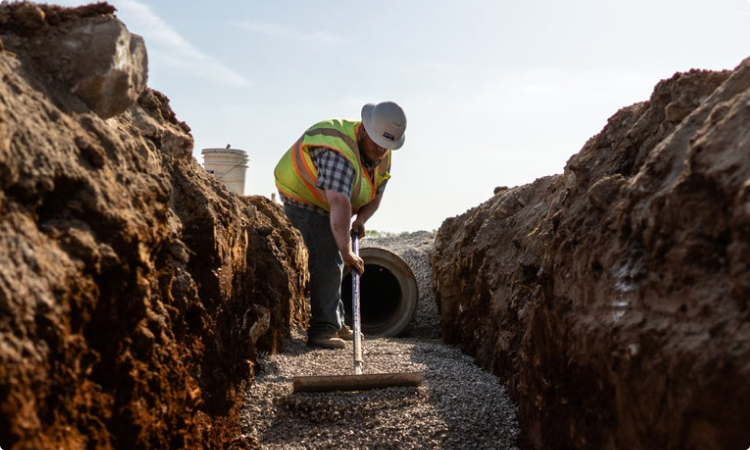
[{"x": 85, "y": 50}]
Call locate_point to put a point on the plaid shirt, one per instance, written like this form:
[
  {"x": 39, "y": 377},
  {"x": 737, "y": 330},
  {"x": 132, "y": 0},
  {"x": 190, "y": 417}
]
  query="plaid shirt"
[{"x": 335, "y": 173}]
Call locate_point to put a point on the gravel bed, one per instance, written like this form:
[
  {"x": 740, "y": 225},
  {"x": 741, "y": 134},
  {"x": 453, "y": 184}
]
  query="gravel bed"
[{"x": 459, "y": 405}]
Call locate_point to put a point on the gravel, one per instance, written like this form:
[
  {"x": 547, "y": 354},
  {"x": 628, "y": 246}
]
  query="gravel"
[
  {"x": 458, "y": 406},
  {"x": 414, "y": 249}
]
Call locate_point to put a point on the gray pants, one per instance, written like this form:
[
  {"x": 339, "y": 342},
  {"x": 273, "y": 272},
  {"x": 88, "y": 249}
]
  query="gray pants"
[{"x": 326, "y": 269}]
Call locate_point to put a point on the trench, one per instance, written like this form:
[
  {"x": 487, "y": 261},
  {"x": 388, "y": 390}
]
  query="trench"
[{"x": 459, "y": 405}]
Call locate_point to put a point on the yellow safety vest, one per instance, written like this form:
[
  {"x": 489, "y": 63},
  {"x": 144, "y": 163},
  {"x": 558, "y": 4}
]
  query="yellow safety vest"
[{"x": 296, "y": 175}]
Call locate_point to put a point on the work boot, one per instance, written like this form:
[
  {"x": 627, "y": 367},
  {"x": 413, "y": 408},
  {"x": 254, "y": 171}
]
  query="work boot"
[
  {"x": 325, "y": 339},
  {"x": 346, "y": 333}
]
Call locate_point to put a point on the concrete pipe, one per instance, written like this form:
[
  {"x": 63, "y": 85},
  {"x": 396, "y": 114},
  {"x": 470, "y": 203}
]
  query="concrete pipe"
[{"x": 388, "y": 293}]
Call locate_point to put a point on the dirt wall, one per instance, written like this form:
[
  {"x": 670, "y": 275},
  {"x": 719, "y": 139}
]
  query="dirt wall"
[
  {"x": 613, "y": 298},
  {"x": 135, "y": 290}
]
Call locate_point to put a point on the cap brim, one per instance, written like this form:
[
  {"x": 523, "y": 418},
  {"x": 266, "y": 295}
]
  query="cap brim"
[{"x": 380, "y": 140}]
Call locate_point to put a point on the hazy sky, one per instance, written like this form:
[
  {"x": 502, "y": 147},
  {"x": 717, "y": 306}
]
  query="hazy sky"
[{"x": 496, "y": 93}]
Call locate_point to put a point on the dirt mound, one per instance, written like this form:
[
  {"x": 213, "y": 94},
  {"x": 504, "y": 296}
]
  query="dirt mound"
[
  {"x": 135, "y": 290},
  {"x": 613, "y": 298}
]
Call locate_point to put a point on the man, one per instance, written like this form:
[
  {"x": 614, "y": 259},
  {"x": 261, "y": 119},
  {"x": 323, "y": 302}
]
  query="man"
[{"x": 337, "y": 171}]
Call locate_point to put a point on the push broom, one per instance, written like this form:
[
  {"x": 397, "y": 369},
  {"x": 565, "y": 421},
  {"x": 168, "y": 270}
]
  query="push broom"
[{"x": 359, "y": 381}]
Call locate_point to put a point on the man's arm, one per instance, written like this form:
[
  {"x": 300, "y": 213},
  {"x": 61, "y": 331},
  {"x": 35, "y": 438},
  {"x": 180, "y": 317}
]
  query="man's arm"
[
  {"x": 364, "y": 214},
  {"x": 341, "y": 216}
]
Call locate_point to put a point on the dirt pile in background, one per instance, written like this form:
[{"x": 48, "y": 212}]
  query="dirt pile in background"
[
  {"x": 613, "y": 298},
  {"x": 135, "y": 290}
]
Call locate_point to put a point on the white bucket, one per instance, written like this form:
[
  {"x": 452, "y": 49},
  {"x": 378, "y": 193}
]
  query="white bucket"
[{"x": 228, "y": 165}]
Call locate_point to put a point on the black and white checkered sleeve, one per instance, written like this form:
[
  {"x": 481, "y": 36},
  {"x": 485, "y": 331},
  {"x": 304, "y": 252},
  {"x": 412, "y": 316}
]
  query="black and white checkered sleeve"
[{"x": 335, "y": 172}]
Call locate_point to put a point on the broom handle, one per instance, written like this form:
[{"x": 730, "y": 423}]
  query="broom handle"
[{"x": 358, "y": 360}]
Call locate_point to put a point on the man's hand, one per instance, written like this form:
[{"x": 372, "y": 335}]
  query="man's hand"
[
  {"x": 354, "y": 261},
  {"x": 358, "y": 226},
  {"x": 341, "y": 215}
]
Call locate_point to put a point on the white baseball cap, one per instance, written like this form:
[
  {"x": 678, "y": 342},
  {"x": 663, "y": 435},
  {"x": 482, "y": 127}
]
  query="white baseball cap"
[{"x": 385, "y": 123}]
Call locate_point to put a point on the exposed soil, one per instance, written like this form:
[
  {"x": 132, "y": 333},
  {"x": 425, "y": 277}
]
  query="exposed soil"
[
  {"x": 136, "y": 292},
  {"x": 613, "y": 299},
  {"x": 135, "y": 289}
]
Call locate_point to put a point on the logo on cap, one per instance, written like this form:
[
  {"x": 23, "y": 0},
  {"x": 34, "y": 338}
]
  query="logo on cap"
[{"x": 389, "y": 136}]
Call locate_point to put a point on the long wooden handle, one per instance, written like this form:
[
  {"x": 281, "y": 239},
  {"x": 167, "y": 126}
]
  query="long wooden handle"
[{"x": 356, "y": 319}]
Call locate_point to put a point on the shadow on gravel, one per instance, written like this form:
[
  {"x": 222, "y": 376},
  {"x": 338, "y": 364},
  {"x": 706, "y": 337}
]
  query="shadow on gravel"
[{"x": 473, "y": 405}]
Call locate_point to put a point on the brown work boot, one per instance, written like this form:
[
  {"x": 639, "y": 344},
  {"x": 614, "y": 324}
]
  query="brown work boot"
[
  {"x": 325, "y": 339},
  {"x": 346, "y": 333}
]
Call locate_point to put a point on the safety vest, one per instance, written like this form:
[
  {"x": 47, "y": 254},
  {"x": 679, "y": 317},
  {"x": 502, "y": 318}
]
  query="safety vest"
[{"x": 296, "y": 175}]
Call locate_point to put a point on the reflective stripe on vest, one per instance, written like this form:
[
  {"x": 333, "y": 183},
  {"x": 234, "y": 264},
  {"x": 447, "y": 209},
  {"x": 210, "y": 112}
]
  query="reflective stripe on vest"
[{"x": 296, "y": 175}]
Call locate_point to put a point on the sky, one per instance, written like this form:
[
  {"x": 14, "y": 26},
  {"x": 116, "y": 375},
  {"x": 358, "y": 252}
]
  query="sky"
[{"x": 496, "y": 93}]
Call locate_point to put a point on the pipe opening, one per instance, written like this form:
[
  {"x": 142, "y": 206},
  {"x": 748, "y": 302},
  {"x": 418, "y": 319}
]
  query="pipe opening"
[
  {"x": 388, "y": 293},
  {"x": 379, "y": 297}
]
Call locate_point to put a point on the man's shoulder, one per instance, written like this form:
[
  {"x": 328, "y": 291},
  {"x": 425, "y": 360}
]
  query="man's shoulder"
[{"x": 337, "y": 124}]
